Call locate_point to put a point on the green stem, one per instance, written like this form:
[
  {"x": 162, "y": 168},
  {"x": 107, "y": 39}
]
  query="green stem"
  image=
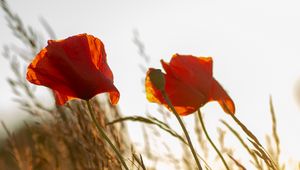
[
  {"x": 183, "y": 128},
  {"x": 103, "y": 134},
  {"x": 210, "y": 141}
]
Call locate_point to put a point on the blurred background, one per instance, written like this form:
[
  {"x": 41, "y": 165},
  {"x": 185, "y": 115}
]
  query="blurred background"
[{"x": 254, "y": 44}]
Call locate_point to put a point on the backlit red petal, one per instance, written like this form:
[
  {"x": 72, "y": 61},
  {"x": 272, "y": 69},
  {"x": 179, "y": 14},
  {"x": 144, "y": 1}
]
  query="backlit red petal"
[
  {"x": 185, "y": 99},
  {"x": 219, "y": 94},
  {"x": 190, "y": 85},
  {"x": 61, "y": 99},
  {"x": 196, "y": 72},
  {"x": 75, "y": 67},
  {"x": 98, "y": 56}
]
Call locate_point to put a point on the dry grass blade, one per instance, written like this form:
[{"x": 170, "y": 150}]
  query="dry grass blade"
[
  {"x": 153, "y": 121},
  {"x": 17, "y": 56},
  {"x": 26, "y": 35},
  {"x": 246, "y": 130},
  {"x": 275, "y": 132},
  {"x": 13, "y": 153},
  {"x": 6, "y": 129},
  {"x": 68, "y": 142},
  {"x": 211, "y": 141},
  {"x": 139, "y": 160},
  {"x": 48, "y": 28},
  {"x": 255, "y": 142},
  {"x": 141, "y": 47},
  {"x": 186, "y": 158},
  {"x": 237, "y": 163},
  {"x": 263, "y": 155},
  {"x": 238, "y": 136}
]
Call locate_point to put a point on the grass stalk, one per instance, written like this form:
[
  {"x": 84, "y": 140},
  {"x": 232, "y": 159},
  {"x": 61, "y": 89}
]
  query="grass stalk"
[
  {"x": 103, "y": 134},
  {"x": 183, "y": 128},
  {"x": 210, "y": 141}
]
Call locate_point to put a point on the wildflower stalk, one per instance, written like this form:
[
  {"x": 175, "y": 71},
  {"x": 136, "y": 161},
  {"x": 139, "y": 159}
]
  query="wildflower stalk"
[
  {"x": 158, "y": 80},
  {"x": 210, "y": 141},
  {"x": 103, "y": 134},
  {"x": 183, "y": 128}
]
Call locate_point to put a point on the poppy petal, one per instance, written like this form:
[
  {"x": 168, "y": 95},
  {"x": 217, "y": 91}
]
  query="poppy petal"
[
  {"x": 190, "y": 85},
  {"x": 60, "y": 98},
  {"x": 42, "y": 72},
  {"x": 194, "y": 71},
  {"x": 219, "y": 94},
  {"x": 184, "y": 99},
  {"x": 75, "y": 67},
  {"x": 114, "y": 96},
  {"x": 98, "y": 56}
]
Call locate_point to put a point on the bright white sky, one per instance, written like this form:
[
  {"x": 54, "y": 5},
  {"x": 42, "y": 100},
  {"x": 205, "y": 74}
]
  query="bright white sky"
[{"x": 254, "y": 44}]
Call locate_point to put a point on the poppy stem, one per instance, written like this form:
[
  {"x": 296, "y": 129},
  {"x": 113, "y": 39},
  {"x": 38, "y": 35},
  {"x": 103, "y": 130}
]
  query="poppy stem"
[
  {"x": 103, "y": 134},
  {"x": 210, "y": 141},
  {"x": 183, "y": 128}
]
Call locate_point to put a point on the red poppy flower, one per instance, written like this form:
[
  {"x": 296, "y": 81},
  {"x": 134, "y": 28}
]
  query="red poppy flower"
[
  {"x": 189, "y": 83},
  {"x": 75, "y": 67}
]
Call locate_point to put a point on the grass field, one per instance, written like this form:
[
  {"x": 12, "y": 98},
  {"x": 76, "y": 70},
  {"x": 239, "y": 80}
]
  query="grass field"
[{"x": 65, "y": 137}]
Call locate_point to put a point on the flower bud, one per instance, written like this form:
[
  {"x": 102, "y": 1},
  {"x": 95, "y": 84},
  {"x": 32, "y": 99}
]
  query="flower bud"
[{"x": 157, "y": 78}]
